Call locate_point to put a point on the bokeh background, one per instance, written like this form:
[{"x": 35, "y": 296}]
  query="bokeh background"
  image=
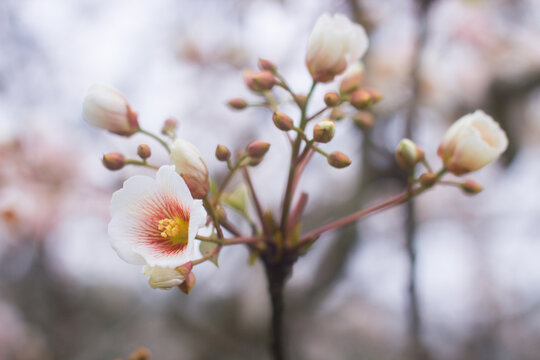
[{"x": 449, "y": 277}]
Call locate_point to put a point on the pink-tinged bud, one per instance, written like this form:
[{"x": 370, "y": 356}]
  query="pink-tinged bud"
[
  {"x": 141, "y": 353},
  {"x": 267, "y": 65},
  {"x": 408, "y": 154},
  {"x": 363, "y": 120},
  {"x": 361, "y": 99},
  {"x": 144, "y": 151},
  {"x": 188, "y": 284},
  {"x": 114, "y": 161},
  {"x": 257, "y": 148},
  {"x": 237, "y": 103},
  {"x": 333, "y": 44},
  {"x": 352, "y": 79},
  {"x": 186, "y": 268},
  {"x": 375, "y": 95},
  {"x": 255, "y": 161},
  {"x": 169, "y": 127},
  {"x": 106, "y": 108},
  {"x": 331, "y": 99},
  {"x": 428, "y": 179},
  {"x": 282, "y": 121},
  {"x": 189, "y": 164},
  {"x": 324, "y": 131},
  {"x": 337, "y": 114},
  {"x": 471, "y": 187},
  {"x": 300, "y": 100},
  {"x": 259, "y": 81},
  {"x": 223, "y": 153},
  {"x": 471, "y": 143},
  {"x": 339, "y": 160}
]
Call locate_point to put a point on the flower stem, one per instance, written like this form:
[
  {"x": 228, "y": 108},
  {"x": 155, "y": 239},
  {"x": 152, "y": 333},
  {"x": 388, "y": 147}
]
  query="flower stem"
[
  {"x": 157, "y": 138},
  {"x": 141, "y": 163}
]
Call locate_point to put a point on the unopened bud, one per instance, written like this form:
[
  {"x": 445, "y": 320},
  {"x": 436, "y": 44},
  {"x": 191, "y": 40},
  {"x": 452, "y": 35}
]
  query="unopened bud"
[
  {"x": 185, "y": 268},
  {"x": 361, "y": 99},
  {"x": 331, "y": 99},
  {"x": 375, "y": 95},
  {"x": 282, "y": 121},
  {"x": 471, "y": 187},
  {"x": 300, "y": 100},
  {"x": 363, "y": 120},
  {"x": 141, "y": 353},
  {"x": 255, "y": 161},
  {"x": 428, "y": 179},
  {"x": 257, "y": 148},
  {"x": 339, "y": 160},
  {"x": 114, "y": 161},
  {"x": 169, "y": 127},
  {"x": 144, "y": 151},
  {"x": 337, "y": 114},
  {"x": 324, "y": 131},
  {"x": 352, "y": 80},
  {"x": 408, "y": 154},
  {"x": 267, "y": 65},
  {"x": 237, "y": 103},
  {"x": 188, "y": 284},
  {"x": 223, "y": 153},
  {"x": 260, "y": 81}
]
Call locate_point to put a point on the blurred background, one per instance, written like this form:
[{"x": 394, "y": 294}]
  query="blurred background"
[{"x": 448, "y": 277}]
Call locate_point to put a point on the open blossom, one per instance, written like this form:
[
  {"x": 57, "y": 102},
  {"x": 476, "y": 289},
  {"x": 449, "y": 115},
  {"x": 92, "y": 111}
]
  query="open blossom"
[
  {"x": 106, "y": 108},
  {"x": 154, "y": 221},
  {"x": 334, "y": 43},
  {"x": 190, "y": 165},
  {"x": 472, "y": 142}
]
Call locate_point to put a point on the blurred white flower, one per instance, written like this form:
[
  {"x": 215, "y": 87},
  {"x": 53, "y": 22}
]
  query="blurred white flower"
[
  {"x": 190, "y": 165},
  {"x": 154, "y": 221},
  {"x": 472, "y": 142},
  {"x": 163, "y": 277},
  {"x": 106, "y": 108},
  {"x": 334, "y": 43}
]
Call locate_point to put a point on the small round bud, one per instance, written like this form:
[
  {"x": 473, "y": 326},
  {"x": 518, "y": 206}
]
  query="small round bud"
[
  {"x": 471, "y": 187},
  {"x": 352, "y": 79},
  {"x": 337, "y": 114},
  {"x": 363, "y": 120},
  {"x": 254, "y": 161},
  {"x": 144, "y": 151},
  {"x": 237, "y": 103},
  {"x": 282, "y": 121},
  {"x": 339, "y": 160},
  {"x": 169, "y": 127},
  {"x": 300, "y": 100},
  {"x": 331, "y": 99},
  {"x": 259, "y": 81},
  {"x": 257, "y": 148},
  {"x": 361, "y": 99},
  {"x": 114, "y": 161},
  {"x": 267, "y": 65},
  {"x": 408, "y": 154},
  {"x": 324, "y": 131},
  {"x": 375, "y": 95},
  {"x": 428, "y": 179},
  {"x": 223, "y": 153},
  {"x": 141, "y": 353}
]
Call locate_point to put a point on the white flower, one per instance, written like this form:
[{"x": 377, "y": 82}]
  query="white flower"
[
  {"x": 190, "y": 165},
  {"x": 154, "y": 221},
  {"x": 472, "y": 142},
  {"x": 334, "y": 43},
  {"x": 106, "y": 108},
  {"x": 163, "y": 277}
]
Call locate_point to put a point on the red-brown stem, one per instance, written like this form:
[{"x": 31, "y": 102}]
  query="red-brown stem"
[
  {"x": 302, "y": 162},
  {"x": 256, "y": 201},
  {"x": 298, "y": 210},
  {"x": 230, "y": 228},
  {"x": 243, "y": 240}
]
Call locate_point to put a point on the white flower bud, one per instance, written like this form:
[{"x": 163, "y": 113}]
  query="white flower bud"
[
  {"x": 334, "y": 43},
  {"x": 106, "y": 108},
  {"x": 472, "y": 142},
  {"x": 163, "y": 277},
  {"x": 190, "y": 165}
]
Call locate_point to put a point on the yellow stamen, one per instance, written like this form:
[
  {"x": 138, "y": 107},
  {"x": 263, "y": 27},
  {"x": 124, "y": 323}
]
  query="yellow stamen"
[{"x": 175, "y": 229}]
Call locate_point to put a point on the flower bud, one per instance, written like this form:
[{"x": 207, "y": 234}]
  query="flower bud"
[
  {"x": 361, "y": 99},
  {"x": 144, "y": 151},
  {"x": 237, "y": 103},
  {"x": 141, "y": 353},
  {"x": 363, "y": 120},
  {"x": 257, "y": 148},
  {"x": 337, "y": 114},
  {"x": 259, "y": 81},
  {"x": 428, "y": 179},
  {"x": 339, "y": 160},
  {"x": 471, "y": 187},
  {"x": 255, "y": 161},
  {"x": 334, "y": 42},
  {"x": 471, "y": 143},
  {"x": 282, "y": 121},
  {"x": 300, "y": 100},
  {"x": 169, "y": 127},
  {"x": 324, "y": 131},
  {"x": 223, "y": 153},
  {"x": 352, "y": 79},
  {"x": 186, "y": 268},
  {"x": 267, "y": 65},
  {"x": 106, "y": 108},
  {"x": 188, "y": 284},
  {"x": 331, "y": 99},
  {"x": 114, "y": 161},
  {"x": 190, "y": 165},
  {"x": 408, "y": 154},
  {"x": 163, "y": 277},
  {"x": 375, "y": 95}
]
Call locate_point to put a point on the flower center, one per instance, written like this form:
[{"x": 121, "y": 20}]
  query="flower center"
[{"x": 175, "y": 230}]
